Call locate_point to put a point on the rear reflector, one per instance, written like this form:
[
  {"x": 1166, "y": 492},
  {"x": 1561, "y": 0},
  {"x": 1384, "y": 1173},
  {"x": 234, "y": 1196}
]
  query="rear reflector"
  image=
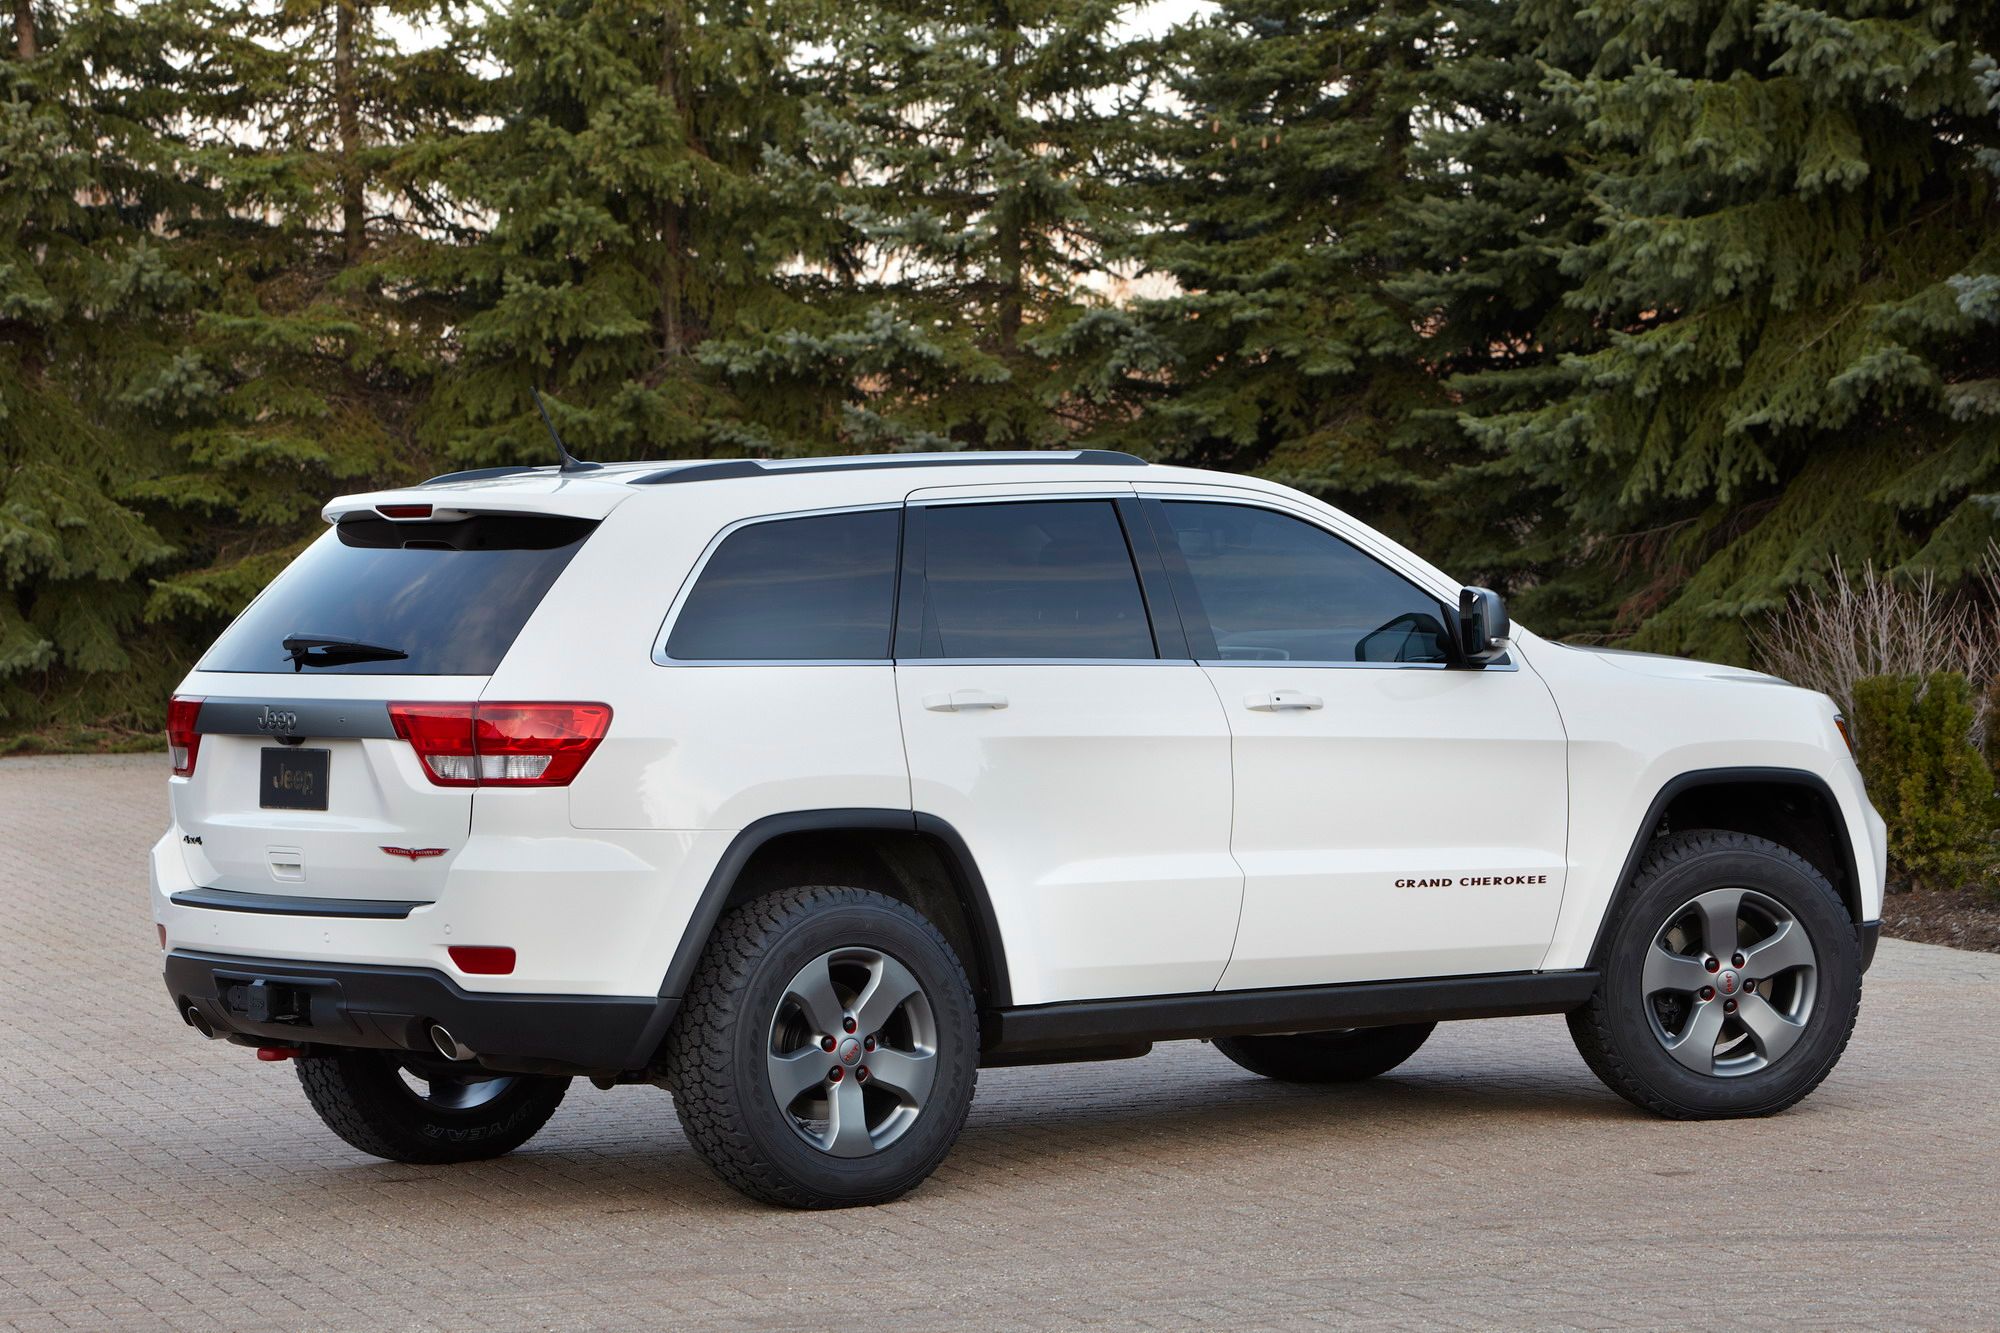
[
  {"x": 501, "y": 744},
  {"x": 183, "y": 741},
  {"x": 403, "y": 511},
  {"x": 483, "y": 960}
]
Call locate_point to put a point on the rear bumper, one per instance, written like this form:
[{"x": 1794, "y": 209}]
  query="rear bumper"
[{"x": 275, "y": 1001}]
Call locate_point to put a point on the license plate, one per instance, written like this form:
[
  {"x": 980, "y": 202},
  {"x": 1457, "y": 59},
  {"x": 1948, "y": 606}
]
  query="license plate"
[{"x": 293, "y": 779}]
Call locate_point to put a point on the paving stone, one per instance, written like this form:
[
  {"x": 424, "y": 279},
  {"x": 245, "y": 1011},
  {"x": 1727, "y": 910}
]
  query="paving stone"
[{"x": 151, "y": 1179}]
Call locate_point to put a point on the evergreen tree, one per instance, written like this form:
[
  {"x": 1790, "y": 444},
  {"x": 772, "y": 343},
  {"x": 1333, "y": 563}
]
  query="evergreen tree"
[
  {"x": 314, "y": 333},
  {"x": 94, "y": 186},
  {"x": 1796, "y": 275},
  {"x": 964, "y": 148},
  {"x": 1286, "y": 165},
  {"x": 632, "y": 222},
  {"x": 1501, "y": 196}
]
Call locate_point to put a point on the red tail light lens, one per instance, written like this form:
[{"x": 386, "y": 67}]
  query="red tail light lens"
[
  {"x": 501, "y": 745},
  {"x": 183, "y": 741}
]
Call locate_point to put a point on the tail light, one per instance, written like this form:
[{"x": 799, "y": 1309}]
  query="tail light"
[
  {"x": 183, "y": 741},
  {"x": 501, "y": 745}
]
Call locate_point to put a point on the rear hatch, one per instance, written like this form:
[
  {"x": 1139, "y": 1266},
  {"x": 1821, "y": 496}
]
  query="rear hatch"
[{"x": 295, "y": 768}]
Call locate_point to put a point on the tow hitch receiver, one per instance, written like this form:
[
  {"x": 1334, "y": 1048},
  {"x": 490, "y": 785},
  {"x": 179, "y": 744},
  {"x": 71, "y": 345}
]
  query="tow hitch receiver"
[
  {"x": 262, "y": 1001},
  {"x": 276, "y": 1052}
]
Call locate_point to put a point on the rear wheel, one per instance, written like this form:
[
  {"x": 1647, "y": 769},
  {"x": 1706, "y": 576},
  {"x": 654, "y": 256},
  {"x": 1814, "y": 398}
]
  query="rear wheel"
[
  {"x": 1344, "y": 1056},
  {"x": 827, "y": 1049},
  {"x": 424, "y": 1109},
  {"x": 1732, "y": 977}
]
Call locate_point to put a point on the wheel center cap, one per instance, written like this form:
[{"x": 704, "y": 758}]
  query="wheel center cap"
[
  {"x": 850, "y": 1051},
  {"x": 1727, "y": 982}
]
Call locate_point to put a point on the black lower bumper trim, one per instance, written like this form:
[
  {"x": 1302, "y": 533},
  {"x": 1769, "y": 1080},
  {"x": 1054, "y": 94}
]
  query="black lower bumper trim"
[
  {"x": 392, "y": 1008},
  {"x": 1054, "y": 1027},
  {"x": 1871, "y": 935}
]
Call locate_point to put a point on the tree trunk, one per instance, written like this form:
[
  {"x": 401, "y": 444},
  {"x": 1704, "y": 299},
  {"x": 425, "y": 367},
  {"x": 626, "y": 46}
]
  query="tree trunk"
[
  {"x": 347, "y": 125},
  {"x": 24, "y": 29},
  {"x": 1008, "y": 237},
  {"x": 673, "y": 330}
]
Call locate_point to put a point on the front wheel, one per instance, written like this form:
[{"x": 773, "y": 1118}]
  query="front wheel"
[
  {"x": 1732, "y": 977},
  {"x": 1345, "y": 1056},
  {"x": 423, "y": 1109}
]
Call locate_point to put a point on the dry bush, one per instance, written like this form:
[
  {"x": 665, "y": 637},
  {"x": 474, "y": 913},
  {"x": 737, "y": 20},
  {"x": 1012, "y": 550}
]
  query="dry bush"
[{"x": 1872, "y": 625}]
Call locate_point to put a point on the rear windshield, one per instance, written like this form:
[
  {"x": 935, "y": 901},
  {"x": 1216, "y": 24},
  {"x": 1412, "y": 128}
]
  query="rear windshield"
[{"x": 450, "y": 596}]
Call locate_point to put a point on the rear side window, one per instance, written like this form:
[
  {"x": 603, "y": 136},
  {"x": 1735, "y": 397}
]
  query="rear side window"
[
  {"x": 1278, "y": 589},
  {"x": 450, "y": 596},
  {"x": 819, "y": 588},
  {"x": 1031, "y": 580}
]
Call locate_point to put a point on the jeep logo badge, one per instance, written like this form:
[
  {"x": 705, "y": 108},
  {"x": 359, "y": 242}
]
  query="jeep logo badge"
[{"x": 274, "y": 720}]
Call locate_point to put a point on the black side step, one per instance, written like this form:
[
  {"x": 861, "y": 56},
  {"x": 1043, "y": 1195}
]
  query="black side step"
[{"x": 1099, "y": 1023}]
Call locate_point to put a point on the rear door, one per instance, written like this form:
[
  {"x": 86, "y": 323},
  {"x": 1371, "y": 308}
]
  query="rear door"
[
  {"x": 1057, "y": 722},
  {"x": 300, "y": 784}
]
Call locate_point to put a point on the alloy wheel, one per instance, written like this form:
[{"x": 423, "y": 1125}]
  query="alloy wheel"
[
  {"x": 852, "y": 1051},
  {"x": 1729, "y": 982}
]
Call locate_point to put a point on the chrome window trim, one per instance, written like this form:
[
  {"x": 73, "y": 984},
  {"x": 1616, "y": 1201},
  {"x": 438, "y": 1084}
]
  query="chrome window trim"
[
  {"x": 686, "y": 590},
  {"x": 1505, "y": 664}
]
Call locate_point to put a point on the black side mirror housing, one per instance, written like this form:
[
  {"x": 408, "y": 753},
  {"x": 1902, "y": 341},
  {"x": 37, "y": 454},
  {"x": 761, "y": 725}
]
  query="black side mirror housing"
[{"x": 1483, "y": 626}]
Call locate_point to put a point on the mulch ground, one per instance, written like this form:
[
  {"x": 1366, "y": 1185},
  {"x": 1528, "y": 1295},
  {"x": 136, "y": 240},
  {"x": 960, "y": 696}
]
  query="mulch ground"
[{"x": 1961, "y": 918}]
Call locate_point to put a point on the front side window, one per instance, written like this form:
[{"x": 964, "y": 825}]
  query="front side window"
[
  {"x": 1040, "y": 579},
  {"x": 1276, "y": 588},
  {"x": 818, "y": 588}
]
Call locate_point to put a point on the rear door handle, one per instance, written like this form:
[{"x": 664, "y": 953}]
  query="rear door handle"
[
  {"x": 964, "y": 701},
  {"x": 1283, "y": 701}
]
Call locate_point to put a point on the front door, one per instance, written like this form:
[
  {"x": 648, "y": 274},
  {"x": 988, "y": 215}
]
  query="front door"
[
  {"x": 1087, "y": 771},
  {"x": 1395, "y": 815}
]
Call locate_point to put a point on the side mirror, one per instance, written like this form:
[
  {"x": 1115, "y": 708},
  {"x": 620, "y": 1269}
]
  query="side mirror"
[{"x": 1483, "y": 627}]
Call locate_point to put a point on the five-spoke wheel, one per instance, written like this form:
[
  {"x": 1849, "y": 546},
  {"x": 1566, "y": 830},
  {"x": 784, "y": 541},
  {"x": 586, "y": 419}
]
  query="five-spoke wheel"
[
  {"x": 1729, "y": 981},
  {"x": 1731, "y": 975},
  {"x": 853, "y": 1051}
]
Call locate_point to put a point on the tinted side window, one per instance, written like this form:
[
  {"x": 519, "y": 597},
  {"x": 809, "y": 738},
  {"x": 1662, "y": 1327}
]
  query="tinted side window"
[
  {"x": 1034, "y": 579},
  {"x": 821, "y": 587},
  {"x": 1276, "y": 588}
]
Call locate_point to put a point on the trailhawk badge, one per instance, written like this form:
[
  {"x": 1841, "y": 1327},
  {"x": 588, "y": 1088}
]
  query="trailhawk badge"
[{"x": 416, "y": 853}]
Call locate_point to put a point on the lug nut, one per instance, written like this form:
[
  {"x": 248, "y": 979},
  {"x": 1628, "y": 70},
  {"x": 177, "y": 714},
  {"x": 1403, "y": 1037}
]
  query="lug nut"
[
  {"x": 847, "y": 1023},
  {"x": 1729, "y": 1006},
  {"x": 834, "y": 1077},
  {"x": 1736, "y": 960},
  {"x": 1711, "y": 964},
  {"x": 1708, "y": 992},
  {"x": 826, "y": 1043},
  {"x": 1749, "y": 986},
  {"x": 868, "y": 1045},
  {"x": 861, "y": 1074}
]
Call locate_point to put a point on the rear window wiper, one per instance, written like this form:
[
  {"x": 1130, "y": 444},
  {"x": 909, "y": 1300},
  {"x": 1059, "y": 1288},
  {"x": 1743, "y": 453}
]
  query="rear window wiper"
[{"x": 309, "y": 650}]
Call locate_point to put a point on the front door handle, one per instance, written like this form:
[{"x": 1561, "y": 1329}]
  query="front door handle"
[
  {"x": 964, "y": 701},
  {"x": 1283, "y": 701}
]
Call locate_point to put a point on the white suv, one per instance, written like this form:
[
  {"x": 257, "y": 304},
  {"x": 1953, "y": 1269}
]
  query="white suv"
[{"x": 805, "y": 789}]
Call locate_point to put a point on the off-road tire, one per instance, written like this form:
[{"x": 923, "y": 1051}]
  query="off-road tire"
[
  {"x": 1612, "y": 1031},
  {"x": 715, "y": 1056},
  {"x": 362, "y": 1098},
  {"x": 1346, "y": 1056}
]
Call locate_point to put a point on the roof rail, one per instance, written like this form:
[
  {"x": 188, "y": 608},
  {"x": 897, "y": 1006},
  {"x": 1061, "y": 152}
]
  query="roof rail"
[{"x": 731, "y": 468}]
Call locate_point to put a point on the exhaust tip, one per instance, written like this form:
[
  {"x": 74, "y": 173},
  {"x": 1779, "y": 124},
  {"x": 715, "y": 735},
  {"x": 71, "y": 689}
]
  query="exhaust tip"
[
  {"x": 450, "y": 1047},
  {"x": 196, "y": 1021}
]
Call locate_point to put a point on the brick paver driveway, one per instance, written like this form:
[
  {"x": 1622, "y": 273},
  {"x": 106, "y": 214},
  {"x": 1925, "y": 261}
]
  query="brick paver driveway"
[{"x": 150, "y": 1178}]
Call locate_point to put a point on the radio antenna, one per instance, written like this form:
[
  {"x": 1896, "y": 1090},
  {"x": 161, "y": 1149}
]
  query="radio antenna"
[{"x": 569, "y": 462}]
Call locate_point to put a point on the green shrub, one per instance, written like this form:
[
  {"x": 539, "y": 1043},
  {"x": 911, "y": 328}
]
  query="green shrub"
[{"x": 1931, "y": 783}]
